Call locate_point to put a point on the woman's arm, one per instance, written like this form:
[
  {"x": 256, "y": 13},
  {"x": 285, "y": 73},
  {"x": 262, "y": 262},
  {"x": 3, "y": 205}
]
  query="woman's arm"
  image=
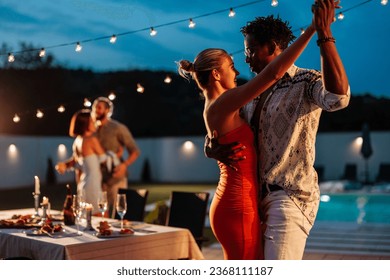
[{"x": 234, "y": 99}]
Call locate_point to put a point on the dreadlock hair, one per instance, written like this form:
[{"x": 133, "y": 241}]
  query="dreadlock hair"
[{"x": 269, "y": 30}]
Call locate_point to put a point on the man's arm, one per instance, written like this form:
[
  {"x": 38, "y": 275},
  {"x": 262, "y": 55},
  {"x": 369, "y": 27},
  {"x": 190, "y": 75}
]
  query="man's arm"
[
  {"x": 132, "y": 150},
  {"x": 334, "y": 75},
  {"x": 225, "y": 153}
]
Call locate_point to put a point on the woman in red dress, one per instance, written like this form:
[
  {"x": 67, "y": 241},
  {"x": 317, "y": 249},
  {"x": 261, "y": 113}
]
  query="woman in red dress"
[{"x": 233, "y": 213}]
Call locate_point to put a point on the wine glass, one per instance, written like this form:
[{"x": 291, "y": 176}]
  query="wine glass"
[
  {"x": 77, "y": 208},
  {"x": 102, "y": 203},
  {"x": 121, "y": 206}
]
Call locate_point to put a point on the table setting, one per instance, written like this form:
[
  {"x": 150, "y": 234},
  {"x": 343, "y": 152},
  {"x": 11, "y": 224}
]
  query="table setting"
[{"x": 43, "y": 233}]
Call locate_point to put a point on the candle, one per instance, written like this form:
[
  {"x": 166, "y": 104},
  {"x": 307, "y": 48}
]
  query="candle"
[
  {"x": 45, "y": 201},
  {"x": 37, "y": 186}
]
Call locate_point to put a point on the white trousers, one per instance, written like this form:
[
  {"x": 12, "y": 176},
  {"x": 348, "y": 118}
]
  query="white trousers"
[{"x": 287, "y": 228}]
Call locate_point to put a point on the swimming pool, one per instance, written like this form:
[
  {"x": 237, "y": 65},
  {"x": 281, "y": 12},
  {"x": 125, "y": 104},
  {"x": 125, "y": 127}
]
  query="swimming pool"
[{"x": 355, "y": 207}]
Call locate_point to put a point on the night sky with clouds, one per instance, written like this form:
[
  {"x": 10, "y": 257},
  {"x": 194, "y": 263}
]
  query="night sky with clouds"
[{"x": 362, "y": 36}]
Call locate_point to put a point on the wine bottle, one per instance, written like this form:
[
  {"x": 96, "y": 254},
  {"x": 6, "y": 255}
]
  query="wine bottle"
[{"x": 69, "y": 218}]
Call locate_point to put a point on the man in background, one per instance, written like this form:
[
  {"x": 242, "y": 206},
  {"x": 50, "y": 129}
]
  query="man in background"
[{"x": 117, "y": 138}]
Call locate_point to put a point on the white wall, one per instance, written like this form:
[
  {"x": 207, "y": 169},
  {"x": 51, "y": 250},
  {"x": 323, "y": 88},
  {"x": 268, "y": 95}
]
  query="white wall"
[{"x": 170, "y": 162}]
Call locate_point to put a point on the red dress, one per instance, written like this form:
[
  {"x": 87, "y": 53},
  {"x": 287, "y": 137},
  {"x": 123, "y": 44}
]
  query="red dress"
[{"x": 234, "y": 215}]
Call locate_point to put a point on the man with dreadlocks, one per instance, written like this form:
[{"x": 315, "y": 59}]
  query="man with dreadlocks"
[{"x": 285, "y": 120}]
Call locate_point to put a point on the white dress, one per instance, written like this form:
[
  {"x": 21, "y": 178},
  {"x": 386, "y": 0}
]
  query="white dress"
[{"x": 90, "y": 184}]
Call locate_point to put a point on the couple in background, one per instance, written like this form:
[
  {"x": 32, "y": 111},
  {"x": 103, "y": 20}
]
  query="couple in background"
[
  {"x": 275, "y": 158},
  {"x": 98, "y": 151}
]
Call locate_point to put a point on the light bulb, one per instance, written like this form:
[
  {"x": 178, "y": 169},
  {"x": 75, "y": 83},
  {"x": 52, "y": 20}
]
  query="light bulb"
[
  {"x": 153, "y": 32},
  {"x": 274, "y": 3},
  {"x": 16, "y": 118},
  {"x": 167, "y": 79},
  {"x": 11, "y": 58},
  {"x": 78, "y": 47},
  {"x": 111, "y": 96},
  {"x": 113, "y": 39},
  {"x": 87, "y": 103},
  {"x": 61, "y": 109},
  {"x": 384, "y": 2},
  {"x": 140, "y": 88},
  {"x": 232, "y": 13},
  {"x": 191, "y": 24},
  {"x": 39, "y": 114},
  {"x": 42, "y": 52},
  {"x": 340, "y": 16}
]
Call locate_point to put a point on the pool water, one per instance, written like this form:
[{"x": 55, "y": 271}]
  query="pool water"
[{"x": 358, "y": 207}]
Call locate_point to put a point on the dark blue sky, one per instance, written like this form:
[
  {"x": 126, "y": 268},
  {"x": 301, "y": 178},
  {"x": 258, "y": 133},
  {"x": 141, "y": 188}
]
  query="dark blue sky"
[{"x": 362, "y": 36}]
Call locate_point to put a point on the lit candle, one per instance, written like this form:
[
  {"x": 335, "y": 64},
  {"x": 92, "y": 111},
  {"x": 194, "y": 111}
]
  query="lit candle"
[
  {"x": 45, "y": 201},
  {"x": 37, "y": 186}
]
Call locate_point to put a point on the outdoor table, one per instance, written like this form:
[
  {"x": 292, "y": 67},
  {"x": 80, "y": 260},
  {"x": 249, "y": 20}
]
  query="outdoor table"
[{"x": 157, "y": 243}]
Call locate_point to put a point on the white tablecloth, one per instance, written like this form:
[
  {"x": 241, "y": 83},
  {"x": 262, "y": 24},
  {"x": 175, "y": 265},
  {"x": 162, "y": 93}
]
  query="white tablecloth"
[{"x": 166, "y": 243}]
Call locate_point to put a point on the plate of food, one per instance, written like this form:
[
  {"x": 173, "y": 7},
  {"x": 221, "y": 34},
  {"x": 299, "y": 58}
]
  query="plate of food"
[
  {"x": 47, "y": 230},
  {"x": 128, "y": 224},
  {"x": 19, "y": 222},
  {"x": 105, "y": 231}
]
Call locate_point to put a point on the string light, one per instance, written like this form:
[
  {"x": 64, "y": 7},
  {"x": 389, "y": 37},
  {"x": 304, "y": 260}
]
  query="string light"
[
  {"x": 111, "y": 96},
  {"x": 16, "y": 118},
  {"x": 191, "y": 24},
  {"x": 302, "y": 31},
  {"x": 232, "y": 13},
  {"x": 78, "y": 47},
  {"x": 61, "y": 109},
  {"x": 39, "y": 114},
  {"x": 113, "y": 39},
  {"x": 167, "y": 79},
  {"x": 87, "y": 103},
  {"x": 140, "y": 88},
  {"x": 153, "y": 32},
  {"x": 42, "y": 52},
  {"x": 11, "y": 58}
]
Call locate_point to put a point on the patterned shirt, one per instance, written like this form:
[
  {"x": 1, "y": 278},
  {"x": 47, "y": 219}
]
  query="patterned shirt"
[{"x": 287, "y": 131}]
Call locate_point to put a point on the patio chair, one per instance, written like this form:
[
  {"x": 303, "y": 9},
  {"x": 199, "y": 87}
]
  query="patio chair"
[
  {"x": 384, "y": 173},
  {"x": 350, "y": 172},
  {"x": 188, "y": 210},
  {"x": 136, "y": 202}
]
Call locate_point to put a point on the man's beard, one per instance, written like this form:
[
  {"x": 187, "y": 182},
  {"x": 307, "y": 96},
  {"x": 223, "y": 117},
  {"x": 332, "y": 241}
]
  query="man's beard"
[{"x": 100, "y": 117}]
